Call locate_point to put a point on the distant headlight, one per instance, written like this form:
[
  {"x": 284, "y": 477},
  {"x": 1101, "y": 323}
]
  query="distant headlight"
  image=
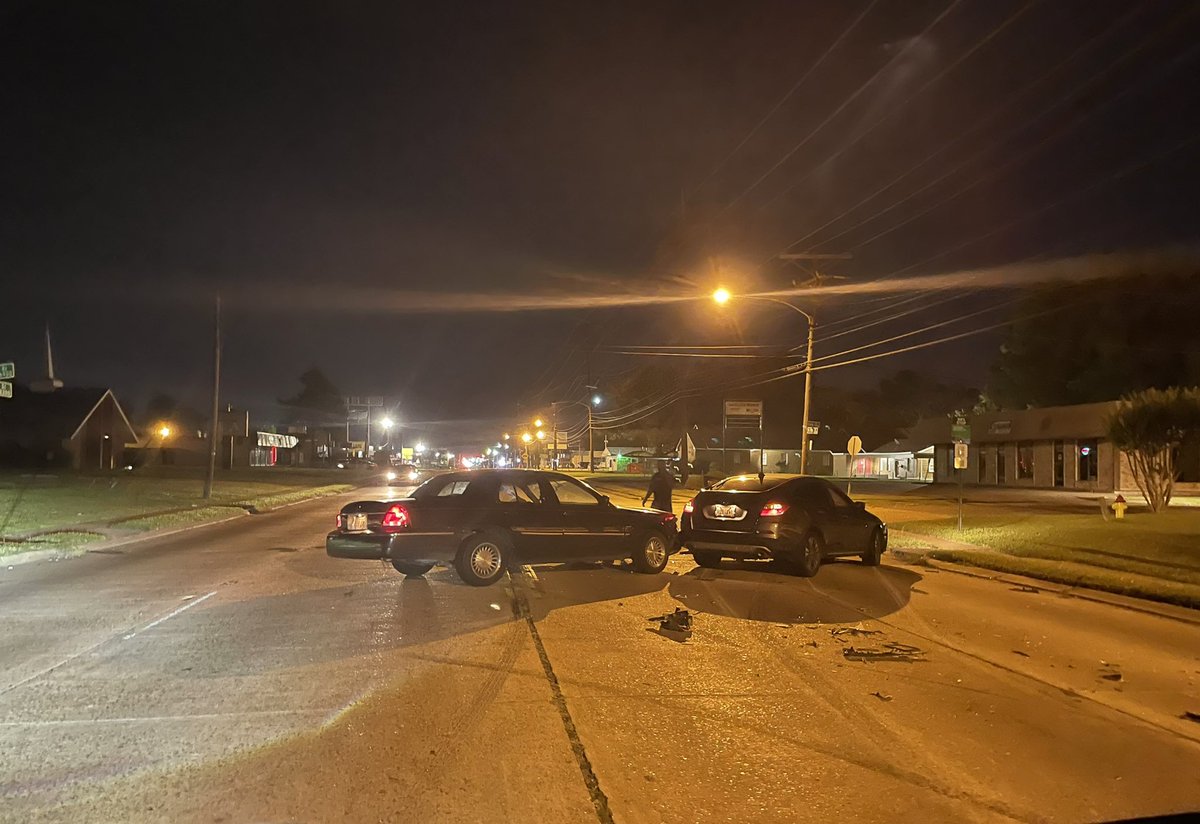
[
  {"x": 341, "y": 466},
  {"x": 412, "y": 476},
  {"x": 391, "y": 476}
]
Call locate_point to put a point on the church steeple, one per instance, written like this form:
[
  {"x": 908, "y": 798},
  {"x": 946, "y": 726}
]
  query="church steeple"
[{"x": 48, "y": 383}]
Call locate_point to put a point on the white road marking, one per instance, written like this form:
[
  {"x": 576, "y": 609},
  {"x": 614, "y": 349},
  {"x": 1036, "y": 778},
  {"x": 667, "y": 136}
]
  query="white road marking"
[
  {"x": 170, "y": 615},
  {"x": 203, "y": 716}
]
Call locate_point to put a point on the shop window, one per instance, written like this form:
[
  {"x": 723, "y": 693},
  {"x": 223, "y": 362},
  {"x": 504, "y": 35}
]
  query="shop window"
[
  {"x": 262, "y": 456},
  {"x": 1001, "y": 463},
  {"x": 1025, "y": 461},
  {"x": 1089, "y": 461},
  {"x": 982, "y": 466}
]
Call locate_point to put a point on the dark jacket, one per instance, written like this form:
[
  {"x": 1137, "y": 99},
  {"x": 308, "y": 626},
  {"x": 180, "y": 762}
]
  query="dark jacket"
[{"x": 661, "y": 484}]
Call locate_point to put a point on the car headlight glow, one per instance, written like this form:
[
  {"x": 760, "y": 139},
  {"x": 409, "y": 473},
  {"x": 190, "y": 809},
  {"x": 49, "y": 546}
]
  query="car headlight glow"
[
  {"x": 412, "y": 476},
  {"x": 391, "y": 476}
]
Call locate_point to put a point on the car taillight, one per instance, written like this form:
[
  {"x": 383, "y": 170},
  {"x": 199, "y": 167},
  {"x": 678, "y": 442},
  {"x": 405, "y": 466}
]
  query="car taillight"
[
  {"x": 337, "y": 522},
  {"x": 396, "y": 517},
  {"x": 773, "y": 509},
  {"x": 666, "y": 519},
  {"x": 689, "y": 507}
]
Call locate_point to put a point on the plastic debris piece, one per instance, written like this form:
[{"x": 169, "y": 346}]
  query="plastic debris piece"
[
  {"x": 881, "y": 696},
  {"x": 1022, "y": 654},
  {"x": 891, "y": 652},
  {"x": 1188, "y": 715},
  {"x": 679, "y": 621},
  {"x": 1024, "y": 588},
  {"x": 839, "y": 631}
]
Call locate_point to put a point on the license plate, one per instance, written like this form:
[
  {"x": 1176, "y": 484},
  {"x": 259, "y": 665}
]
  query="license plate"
[
  {"x": 356, "y": 522},
  {"x": 726, "y": 511}
]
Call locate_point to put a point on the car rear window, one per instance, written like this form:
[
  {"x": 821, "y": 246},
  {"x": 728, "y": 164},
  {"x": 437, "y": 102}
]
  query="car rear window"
[
  {"x": 442, "y": 488},
  {"x": 745, "y": 483}
]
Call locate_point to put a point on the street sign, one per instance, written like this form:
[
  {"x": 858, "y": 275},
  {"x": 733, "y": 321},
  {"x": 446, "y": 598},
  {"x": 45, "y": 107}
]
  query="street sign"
[
  {"x": 740, "y": 408},
  {"x": 5, "y": 389},
  {"x": 960, "y": 430},
  {"x": 814, "y": 428},
  {"x": 8, "y": 371},
  {"x": 960, "y": 456},
  {"x": 854, "y": 445},
  {"x": 743, "y": 414}
]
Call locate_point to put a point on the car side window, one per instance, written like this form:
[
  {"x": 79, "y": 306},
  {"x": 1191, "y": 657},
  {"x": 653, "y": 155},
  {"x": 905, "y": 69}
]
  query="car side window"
[
  {"x": 512, "y": 492},
  {"x": 811, "y": 496},
  {"x": 570, "y": 493},
  {"x": 453, "y": 488},
  {"x": 839, "y": 498}
]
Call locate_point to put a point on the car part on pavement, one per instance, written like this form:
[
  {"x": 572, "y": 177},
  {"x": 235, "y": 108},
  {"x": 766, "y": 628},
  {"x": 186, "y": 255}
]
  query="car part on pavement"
[{"x": 891, "y": 651}]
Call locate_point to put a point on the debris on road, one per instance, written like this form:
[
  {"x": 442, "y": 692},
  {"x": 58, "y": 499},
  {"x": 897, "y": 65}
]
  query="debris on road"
[
  {"x": 1111, "y": 672},
  {"x": 1024, "y": 588},
  {"x": 917, "y": 589},
  {"x": 676, "y": 625},
  {"x": 1022, "y": 654},
  {"x": 891, "y": 651},
  {"x": 881, "y": 696},
  {"x": 1188, "y": 715},
  {"x": 853, "y": 631}
]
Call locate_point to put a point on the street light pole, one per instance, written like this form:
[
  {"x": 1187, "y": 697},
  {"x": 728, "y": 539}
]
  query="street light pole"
[
  {"x": 214, "y": 427},
  {"x": 808, "y": 361}
]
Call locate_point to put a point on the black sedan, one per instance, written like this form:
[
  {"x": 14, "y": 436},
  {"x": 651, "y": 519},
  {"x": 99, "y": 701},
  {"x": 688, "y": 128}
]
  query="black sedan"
[
  {"x": 796, "y": 519},
  {"x": 487, "y": 520}
]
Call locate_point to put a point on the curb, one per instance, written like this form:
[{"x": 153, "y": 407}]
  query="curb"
[
  {"x": 1098, "y": 596},
  {"x": 20, "y": 558}
]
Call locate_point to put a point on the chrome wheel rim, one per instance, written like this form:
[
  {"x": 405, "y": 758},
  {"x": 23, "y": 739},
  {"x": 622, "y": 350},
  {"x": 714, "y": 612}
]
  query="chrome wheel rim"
[
  {"x": 656, "y": 551},
  {"x": 485, "y": 560}
]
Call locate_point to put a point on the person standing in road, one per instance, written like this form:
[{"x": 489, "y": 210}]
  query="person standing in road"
[{"x": 661, "y": 484}]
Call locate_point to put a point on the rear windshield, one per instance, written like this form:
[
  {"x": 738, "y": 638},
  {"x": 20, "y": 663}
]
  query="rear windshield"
[{"x": 745, "y": 483}]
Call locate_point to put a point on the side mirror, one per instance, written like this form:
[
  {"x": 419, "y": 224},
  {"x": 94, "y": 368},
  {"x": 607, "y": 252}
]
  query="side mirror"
[
  {"x": 861, "y": 506},
  {"x": 607, "y": 500}
]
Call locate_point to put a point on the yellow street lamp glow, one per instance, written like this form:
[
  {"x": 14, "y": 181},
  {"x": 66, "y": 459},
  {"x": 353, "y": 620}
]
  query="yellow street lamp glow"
[
  {"x": 538, "y": 423},
  {"x": 506, "y": 436},
  {"x": 527, "y": 437},
  {"x": 164, "y": 432},
  {"x": 541, "y": 436},
  {"x": 721, "y": 296},
  {"x": 387, "y": 423}
]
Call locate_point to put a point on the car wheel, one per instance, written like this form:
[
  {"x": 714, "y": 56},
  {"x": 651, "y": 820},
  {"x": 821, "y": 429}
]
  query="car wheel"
[
  {"x": 411, "y": 569},
  {"x": 651, "y": 556},
  {"x": 874, "y": 554},
  {"x": 711, "y": 560},
  {"x": 811, "y": 553},
  {"x": 482, "y": 559}
]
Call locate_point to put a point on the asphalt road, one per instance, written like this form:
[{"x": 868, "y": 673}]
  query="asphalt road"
[{"x": 236, "y": 673}]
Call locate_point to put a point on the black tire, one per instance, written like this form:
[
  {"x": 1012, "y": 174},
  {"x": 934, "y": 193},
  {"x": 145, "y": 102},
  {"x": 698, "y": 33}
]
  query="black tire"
[
  {"x": 482, "y": 559},
  {"x": 874, "y": 553},
  {"x": 411, "y": 569},
  {"x": 708, "y": 560},
  {"x": 808, "y": 559},
  {"x": 652, "y": 554}
]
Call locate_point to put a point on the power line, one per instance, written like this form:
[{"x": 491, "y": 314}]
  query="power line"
[
  {"x": 991, "y": 35},
  {"x": 779, "y": 103},
  {"x": 979, "y": 124},
  {"x": 853, "y": 96}
]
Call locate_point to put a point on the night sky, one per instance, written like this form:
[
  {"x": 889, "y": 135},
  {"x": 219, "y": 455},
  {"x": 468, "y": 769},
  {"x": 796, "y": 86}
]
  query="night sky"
[{"x": 317, "y": 162}]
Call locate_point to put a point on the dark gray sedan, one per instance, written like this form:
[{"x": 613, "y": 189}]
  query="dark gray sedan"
[{"x": 801, "y": 520}]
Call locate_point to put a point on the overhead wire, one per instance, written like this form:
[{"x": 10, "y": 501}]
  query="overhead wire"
[
  {"x": 844, "y": 104},
  {"x": 787, "y": 96},
  {"x": 1093, "y": 41}
]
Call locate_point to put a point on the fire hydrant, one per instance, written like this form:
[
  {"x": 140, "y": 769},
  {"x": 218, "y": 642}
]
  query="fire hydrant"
[{"x": 1119, "y": 506}]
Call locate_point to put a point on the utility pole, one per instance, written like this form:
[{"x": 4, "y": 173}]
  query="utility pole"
[
  {"x": 795, "y": 258},
  {"x": 214, "y": 421}
]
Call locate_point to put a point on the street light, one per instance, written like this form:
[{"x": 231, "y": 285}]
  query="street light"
[
  {"x": 539, "y": 423},
  {"x": 723, "y": 295},
  {"x": 164, "y": 432}
]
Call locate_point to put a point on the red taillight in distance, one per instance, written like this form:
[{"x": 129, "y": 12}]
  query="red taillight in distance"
[
  {"x": 396, "y": 517},
  {"x": 773, "y": 510}
]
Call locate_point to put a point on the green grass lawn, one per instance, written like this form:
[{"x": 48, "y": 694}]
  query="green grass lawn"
[
  {"x": 136, "y": 502},
  {"x": 1147, "y": 555}
]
